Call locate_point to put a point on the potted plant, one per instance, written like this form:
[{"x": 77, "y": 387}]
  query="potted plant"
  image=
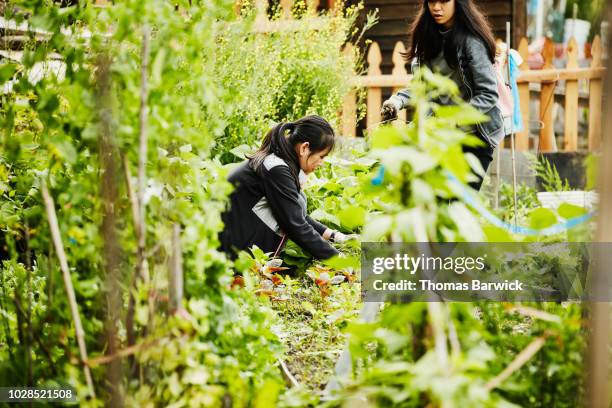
[{"x": 581, "y": 17}]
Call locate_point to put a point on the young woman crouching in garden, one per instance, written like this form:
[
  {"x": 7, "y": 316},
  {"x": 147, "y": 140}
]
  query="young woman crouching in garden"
[
  {"x": 268, "y": 206},
  {"x": 453, "y": 38}
]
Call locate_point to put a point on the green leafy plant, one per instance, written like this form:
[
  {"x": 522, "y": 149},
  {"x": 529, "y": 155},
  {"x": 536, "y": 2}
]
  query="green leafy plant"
[
  {"x": 79, "y": 133},
  {"x": 549, "y": 176},
  {"x": 435, "y": 353},
  {"x": 282, "y": 76}
]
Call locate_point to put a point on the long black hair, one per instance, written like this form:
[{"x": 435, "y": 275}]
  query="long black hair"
[
  {"x": 426, "y": 42},
  {"x": 282, "y": 139}
]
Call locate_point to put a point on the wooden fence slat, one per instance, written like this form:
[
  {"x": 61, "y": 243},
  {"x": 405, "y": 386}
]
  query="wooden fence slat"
[
  {"x": 286, "y": 6},
  {"x": 374, "y": 100},
  {"x": 522, "y": 138},
  {"x": 547, "y": 134},
  {"x": 349, "y": 106},
  {"x": 332, "y": 6},
  {"x": 399, "y": 69},
  {"x": 265, "y": 26},
  {"x": 546, "y": 75},
  {"x": 349, "y": 115},
  {"x": 399, "y": 64},
  {"x": 571, "y": 100},
  {"x": 595, "y": 98},
  {"x": 313, "y": 5},
  {"x": 383, "y": 81},
  {"x": 261, "y": 7}
]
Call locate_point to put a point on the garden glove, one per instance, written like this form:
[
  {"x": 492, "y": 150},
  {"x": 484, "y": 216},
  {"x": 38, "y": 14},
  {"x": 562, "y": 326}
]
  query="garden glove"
[
  {"x": 340, "y": 237},
  {"x": 388, "y": 111}
]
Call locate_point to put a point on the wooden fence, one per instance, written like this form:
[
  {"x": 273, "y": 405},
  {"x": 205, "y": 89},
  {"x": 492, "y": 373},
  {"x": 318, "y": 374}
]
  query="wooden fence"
[
  {"x": 286, "y": 20},
  {"x": 548, "y": 78}
]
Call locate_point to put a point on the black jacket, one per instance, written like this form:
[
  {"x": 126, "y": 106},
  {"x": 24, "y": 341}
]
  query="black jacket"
[
  {"x": 267, "y": 204},
  {"x": 478, "y": 82}
]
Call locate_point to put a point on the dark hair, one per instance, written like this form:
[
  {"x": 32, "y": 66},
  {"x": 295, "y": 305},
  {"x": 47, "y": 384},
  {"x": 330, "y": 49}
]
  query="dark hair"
[
  {"x": 282, "y": 139},
  {"x": 426, "y": 41}
]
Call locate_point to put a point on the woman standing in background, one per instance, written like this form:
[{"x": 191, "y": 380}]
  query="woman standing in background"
[{"x": 453, "y": 38}]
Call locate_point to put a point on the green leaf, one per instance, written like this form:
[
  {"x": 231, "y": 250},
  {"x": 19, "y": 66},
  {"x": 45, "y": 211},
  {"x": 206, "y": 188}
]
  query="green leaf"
[
  {"x": 332, "y": 187},
  {"x": 352, "y": 217},
  {"x": 198, "y": 376},
  {"x": 385, "y": 137},
  {"x": 174, "y": 385},
  {"x": 460, "y": 115},
  {"x": 390, "y": 338},
  {"x": 65, "y": 150},
  {"x": 441, "y": 83},
  {"x": 569, "y": 211},
  {"x": 198, "y": 307},
  {"x": 466, "y": 222},
  {"x": 88, "y": 287},
  {"x": 142, "y": 314},
  {"x": 157, "y": 67},
  {"x": 475, "y": 164},
  {"x": 591, "y": 164},
  {"x": 241, "y": 151},
  {"x": 393, "y": 158},
  {"x": 309, "y": 307},
  {"x": 343, "y": 262},
  {"x": 377, "y": 227},
  {"x": 7, "y": 70},
  {"x": 258, "y": 254},
  {"x": 541, "y": 218},
  {"x": 495, "y": 234},
  {"x": 422, "y": 191},
  {"x": 456, "y": 162},
  {"x": 244, "y": 262},
  {"x": 267, "y": 395},
  {"x": 321, "y": 215}
]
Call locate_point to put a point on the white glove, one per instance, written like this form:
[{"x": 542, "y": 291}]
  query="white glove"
[{"x": 340, "y": 237}]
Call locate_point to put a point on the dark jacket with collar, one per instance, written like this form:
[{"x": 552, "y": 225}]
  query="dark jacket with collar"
[
  {"x": 265, "y": 205},
  {"x": 479, "y": 83}
]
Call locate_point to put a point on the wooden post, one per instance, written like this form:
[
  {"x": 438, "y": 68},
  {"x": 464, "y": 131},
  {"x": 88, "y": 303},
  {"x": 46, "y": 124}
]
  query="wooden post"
[
  {"x": 74, "y": 308},
  {"x": 313, "y": 6},
  {"x": 261, "y": 7},
  {"x": 332, "y": 6},
  {"x": 598, "y": 373},
  {"x": 571, "y": 100},
  {"x": 547, "y": 100},
  {"x": 595, "y": 98},
  {"x": 374, "y": 100},
  {"x": 175, "y": 272},
  {"x": 286, "y": 6},
  {"x": 140, "y": 223},
  {"x": 512, "y": 141},
  {"x": 349, "y": 114},
  {"x": 522, "y": 137},
  {"x": 436, "y": 313},
  {"x": 399, "y": 69},
  {"x": 111, "y": 249},
  {"x": 143, "y": 142},
  {"x": 519, "y": 21},
  {"x": 519, "y": 361},
  {"x": 349, "y": 106}
]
